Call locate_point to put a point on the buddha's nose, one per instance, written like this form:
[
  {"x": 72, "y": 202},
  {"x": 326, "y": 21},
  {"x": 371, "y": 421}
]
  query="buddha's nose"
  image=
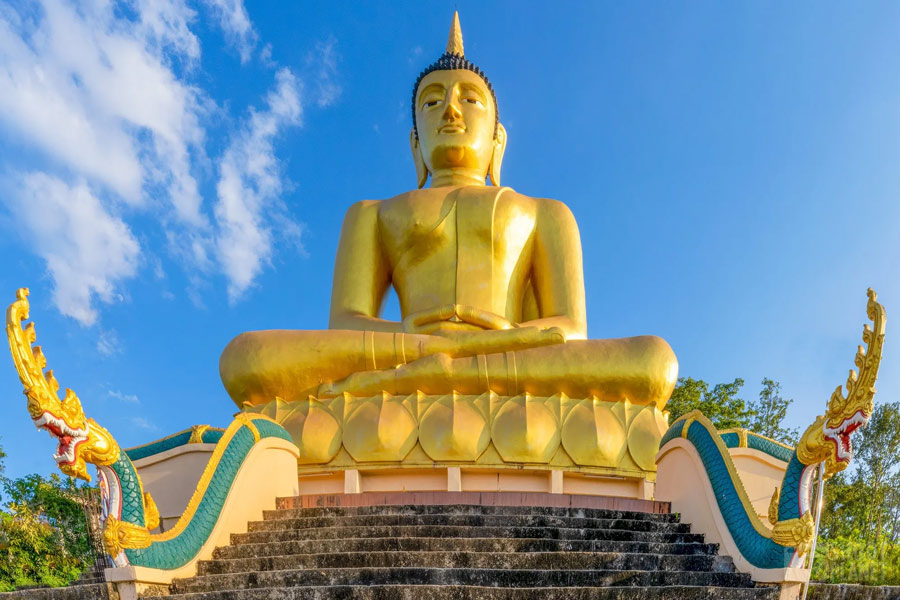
[{"x": 452, "y": 112}]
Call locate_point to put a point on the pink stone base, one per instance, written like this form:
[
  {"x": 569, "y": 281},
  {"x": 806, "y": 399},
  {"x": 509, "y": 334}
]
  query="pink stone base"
[{"x": 474, "y": 498}]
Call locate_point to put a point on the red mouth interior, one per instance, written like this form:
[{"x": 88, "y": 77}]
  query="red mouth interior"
[
  {"x": 64, "y": 440},
  {"x": 844, "y": 440}
]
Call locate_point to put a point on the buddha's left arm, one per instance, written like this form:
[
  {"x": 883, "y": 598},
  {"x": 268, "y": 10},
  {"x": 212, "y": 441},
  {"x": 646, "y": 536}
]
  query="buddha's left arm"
[{"x": 557, "y": 271}]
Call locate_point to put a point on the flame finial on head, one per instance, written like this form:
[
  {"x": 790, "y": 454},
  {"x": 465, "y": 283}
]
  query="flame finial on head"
[{"x": 454, "y": 40}]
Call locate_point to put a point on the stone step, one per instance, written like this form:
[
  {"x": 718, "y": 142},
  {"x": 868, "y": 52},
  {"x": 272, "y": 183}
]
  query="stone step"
[
  {"x": 473, "y": 560},
  {"x": 472, "y": 544},
  {"x": 466, "y": 509},
  {"x": 456, "y": 531},
  {"x": 469, "y": 577},
  {"x": 93, "y": 591},
  {"x": 452, "y": 592},
  {"x": 467, "y": 520}
]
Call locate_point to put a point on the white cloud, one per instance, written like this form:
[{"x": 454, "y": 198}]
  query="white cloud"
[
  {"x": 95, "y": 92},
  {"x": 127, "y": 398},
  {"x": 142, "y": 423},
  {"x": 325, "y": 59},
  {"x": 249, "y": 187},
  {"x": 108, "y": 343},
  {"x": 101, "y": 97},
  {"x": 235, "y": 22},
  {"x": 166, "y": 24},
  {"x": 88, "y": 251}
]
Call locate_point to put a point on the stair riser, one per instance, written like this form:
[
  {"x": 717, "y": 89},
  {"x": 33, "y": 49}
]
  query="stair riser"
[
  {"x": 474, "y": 577},
  {"x": 467, "y": 509},
  {"x": 468, "y": 521},
  {"x": 473, "y": 560},
  {"x": 441, "y": 531},
  {"x": 403, "y": 592},
  {"x": 375, "y": 545}
]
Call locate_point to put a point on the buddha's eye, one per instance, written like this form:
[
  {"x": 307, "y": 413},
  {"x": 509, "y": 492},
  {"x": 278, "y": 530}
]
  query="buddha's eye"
[{"x": 430, "y": 103}]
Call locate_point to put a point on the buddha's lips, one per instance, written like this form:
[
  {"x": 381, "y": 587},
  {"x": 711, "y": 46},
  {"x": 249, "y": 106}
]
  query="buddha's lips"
[
  {"x": 452, "y": 128},
  {"x": 69, "y": 438}
]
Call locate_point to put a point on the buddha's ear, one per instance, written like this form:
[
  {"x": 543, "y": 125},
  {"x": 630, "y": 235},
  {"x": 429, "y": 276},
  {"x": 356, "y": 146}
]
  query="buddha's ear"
[
  {"x": 421, "y": 169},
  {"x": 497, "y": 156}
]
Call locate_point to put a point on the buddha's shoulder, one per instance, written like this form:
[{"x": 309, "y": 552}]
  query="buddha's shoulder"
[
  {"x": 425, "y": 195},
  {"x": 547, "y": 209},
  {"x": 403, "y": 203}
]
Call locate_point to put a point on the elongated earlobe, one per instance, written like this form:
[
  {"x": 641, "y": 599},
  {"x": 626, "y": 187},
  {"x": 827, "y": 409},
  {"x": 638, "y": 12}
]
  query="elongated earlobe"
[
  {"x": 497, "y": 156},
  {"x": 421, "y": 169}
]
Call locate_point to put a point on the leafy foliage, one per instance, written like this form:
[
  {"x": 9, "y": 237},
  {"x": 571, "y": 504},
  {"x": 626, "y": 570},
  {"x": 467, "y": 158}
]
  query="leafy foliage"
[
  {"x": 852, "y": 560},
  {"x": 722, "y": 405},
  {"x": 43, "y": 532},
  {"x": 860, "y": 527},
  {"x": 769, "y": 413}
]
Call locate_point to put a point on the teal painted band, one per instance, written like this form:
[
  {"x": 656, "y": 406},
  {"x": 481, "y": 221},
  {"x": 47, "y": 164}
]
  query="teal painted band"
[
  {"x": 210, "y": 436},
  {"x": 132, "y": 500},
  {"x": 673, "y": 432},
  {"x": 767, "y": 446},
  {"x": 731, "y": 439},
  {"x": 760, "y": 551},
  {"x": 789, "y": 501}
]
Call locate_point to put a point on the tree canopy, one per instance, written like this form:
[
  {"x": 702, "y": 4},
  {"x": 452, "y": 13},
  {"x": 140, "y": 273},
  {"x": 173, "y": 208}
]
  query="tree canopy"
[
  {"x": 43, "y": 532},
  {"x": 861, "y": 515},
  {"x": 723, "y": 405}
]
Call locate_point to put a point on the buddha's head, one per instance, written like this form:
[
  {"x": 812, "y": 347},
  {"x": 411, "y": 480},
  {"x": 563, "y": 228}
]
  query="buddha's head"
[{"x": 456, "y": 136}]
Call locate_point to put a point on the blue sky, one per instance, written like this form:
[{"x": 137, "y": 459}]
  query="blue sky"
[{"x": 174, "y": 173}]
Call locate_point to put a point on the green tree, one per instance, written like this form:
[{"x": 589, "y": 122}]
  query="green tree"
[
  {"x": 721, "y": 404},
  {"x": 769, "y": 413},
  {"x": 43, "y": 532},
  {"x": 861, "y": 516},
  {"x": 877, "y": 458}
]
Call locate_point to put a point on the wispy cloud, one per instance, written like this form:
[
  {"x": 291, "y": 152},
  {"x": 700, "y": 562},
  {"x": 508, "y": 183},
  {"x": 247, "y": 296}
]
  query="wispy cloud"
[
  {"x": 94, "y": 91},
  {"x": 128, "y": 398},
  {"x": 108, "y": 343},
  {"x": 142, "y": 423},
  {"x": 325, "y": 60},
  {"x": 88, "y": 251},
  {"x": 105, "y": 98},
  {"x": 250, "y": 185},
  {"x": 235, "y": 22}
]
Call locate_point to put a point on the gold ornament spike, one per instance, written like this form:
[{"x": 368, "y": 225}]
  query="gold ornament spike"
[
  {"x": 847, "y": 412},
  {"x": 797, "y": 533},
  {"x": 454, "y": 40},
  {"x": 81, "y": 440},
  {"x": 773, "y": 507}
]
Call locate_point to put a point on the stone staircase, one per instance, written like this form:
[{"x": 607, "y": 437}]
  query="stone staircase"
[{"x": 444, "y": 552}]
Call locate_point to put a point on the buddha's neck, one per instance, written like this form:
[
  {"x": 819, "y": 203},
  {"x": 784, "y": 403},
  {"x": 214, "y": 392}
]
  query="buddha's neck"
[{"x": 457, "y": 176}]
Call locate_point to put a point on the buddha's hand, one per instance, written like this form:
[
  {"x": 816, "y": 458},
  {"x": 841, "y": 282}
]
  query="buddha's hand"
[
  {"x": 442, "y": 319},
  {"x": 469, "y": 343}
]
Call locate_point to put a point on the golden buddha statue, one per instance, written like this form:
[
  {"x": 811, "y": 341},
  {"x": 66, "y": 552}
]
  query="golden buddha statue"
[{"x": 490, "y": 283}]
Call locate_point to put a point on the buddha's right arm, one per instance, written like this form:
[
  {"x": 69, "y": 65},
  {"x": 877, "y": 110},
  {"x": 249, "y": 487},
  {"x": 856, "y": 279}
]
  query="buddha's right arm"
[{"x": 361, "y": 273}]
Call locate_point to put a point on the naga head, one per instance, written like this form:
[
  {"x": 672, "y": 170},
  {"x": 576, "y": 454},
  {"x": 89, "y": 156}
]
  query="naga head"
[
  {"x": 79, "y": 440},
  {"x": 828, "y": 438}
]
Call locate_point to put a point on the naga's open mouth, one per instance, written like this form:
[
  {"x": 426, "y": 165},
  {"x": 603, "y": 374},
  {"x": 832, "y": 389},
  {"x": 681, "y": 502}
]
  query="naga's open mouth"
[
  {"x": 840, "y": 435},
  {"x": 69, "y": 439}
]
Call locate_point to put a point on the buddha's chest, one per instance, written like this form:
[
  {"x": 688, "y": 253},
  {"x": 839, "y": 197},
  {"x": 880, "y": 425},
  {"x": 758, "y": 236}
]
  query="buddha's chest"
[
  {"x": 462, "y": 226},
  {"x": 471, "y": 246}
]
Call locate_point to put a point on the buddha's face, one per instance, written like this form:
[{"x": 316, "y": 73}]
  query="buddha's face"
[{"x": 455, "y": 116}]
